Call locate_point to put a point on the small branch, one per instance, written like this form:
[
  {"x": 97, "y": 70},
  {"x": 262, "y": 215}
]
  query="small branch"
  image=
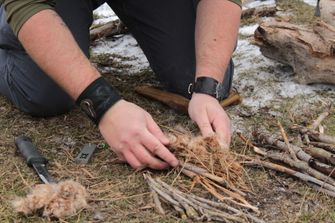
[
  {"x": 318, "y": 121},
  {"x": 315, "y": 135},
  {"x": 326, "y": 146},
  {"x": 157, "y": 202},
  {"x": 289, "y": 147},
  {"x": 302, "y": 166},
  {"x": 302, "y": 155},
  {"x": 320, "y": 154},
  {"x": 282, "y": 169}
]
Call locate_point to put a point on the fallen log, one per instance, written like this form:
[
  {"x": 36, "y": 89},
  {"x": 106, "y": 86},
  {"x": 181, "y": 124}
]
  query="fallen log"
[
  {"x": 264, "y": 11},
  {"x": 179, "y": 102},
  {"x": 309, "y": 51},
  {"x": 109, "y": 29},
  {"x": 327, "y": 11}
]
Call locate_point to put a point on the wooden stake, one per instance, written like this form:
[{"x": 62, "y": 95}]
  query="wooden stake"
[{"x": 178, "y": 102}]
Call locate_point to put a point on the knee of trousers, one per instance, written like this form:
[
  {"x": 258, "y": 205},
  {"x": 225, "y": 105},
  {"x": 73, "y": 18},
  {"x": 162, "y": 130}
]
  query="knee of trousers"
[
  {"x": 45, "y": 104},
  {"x": 177, "y": 77},
  {"x": 32, "y": 91},
  {"x": 41, "y": 103}
]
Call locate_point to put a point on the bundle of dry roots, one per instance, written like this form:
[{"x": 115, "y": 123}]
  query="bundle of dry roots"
[
  {"x": 310, "y": 156},
  {"x": 211, "y": 165},
  {"x": 53, "y": 200}
]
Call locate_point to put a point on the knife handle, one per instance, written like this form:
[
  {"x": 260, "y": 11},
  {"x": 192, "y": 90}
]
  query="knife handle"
[{"x": 29, "y": 151}]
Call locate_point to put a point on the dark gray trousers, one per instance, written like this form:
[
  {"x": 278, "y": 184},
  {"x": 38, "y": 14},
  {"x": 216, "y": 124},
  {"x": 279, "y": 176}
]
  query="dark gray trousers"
[{"x": 163, "y": 29}]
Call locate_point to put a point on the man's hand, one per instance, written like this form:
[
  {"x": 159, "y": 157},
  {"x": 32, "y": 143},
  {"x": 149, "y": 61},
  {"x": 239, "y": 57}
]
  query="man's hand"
[
  {"x": 135, "y": 137},
  {"x": 207, "y": 112}
]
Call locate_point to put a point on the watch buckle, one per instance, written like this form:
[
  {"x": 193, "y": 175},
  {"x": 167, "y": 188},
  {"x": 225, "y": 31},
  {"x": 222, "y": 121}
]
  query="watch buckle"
[{"x": 190, "y": 88}]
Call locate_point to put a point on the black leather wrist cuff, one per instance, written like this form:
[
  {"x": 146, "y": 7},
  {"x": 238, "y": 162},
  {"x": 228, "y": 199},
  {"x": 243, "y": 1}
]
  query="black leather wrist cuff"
[{"x": 97, "y": 98}]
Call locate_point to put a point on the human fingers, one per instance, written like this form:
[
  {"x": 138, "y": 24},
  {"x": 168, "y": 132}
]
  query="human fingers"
[
  {"x": 156, "y": 131},
  {"x": 157, "y": 148},
  {"x": 147, "y": 159},
  {"x": 222, "y": 129},
  {"x": 132, "y": 160},
  {"x": 204, "y": 124}
]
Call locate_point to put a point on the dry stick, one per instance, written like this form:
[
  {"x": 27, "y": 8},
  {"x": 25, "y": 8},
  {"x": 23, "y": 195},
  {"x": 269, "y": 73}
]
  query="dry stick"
[
  {"x": 289, "y": 147},
  {"x": 315, "y": 124},
  {"x": 175, "y": 200},
  {"x": 179, "y": 102},
  {"x": 326, "y": 146},
  {"x": 225, "y": 206},
  {"x": 232, "y": 195},
  {"x": 321, "y": 154},
  {"x": 211, "y": 189},
  {"x": 318, "y": 121},
  {"x": 205, "y": 173},
  {"x": 213, "y": 211},
  {"x": 248, "y": 143},
  {"x": 177, "y": 195},
  {"x": 320, "y": 189},
  {"x": 301, "y": 176},
  {"x": 302, "y": 155},
  {"x": 315, "y": 135},
  {"x": 157, "y": 202},
  {"x": 302, "y": 166}
]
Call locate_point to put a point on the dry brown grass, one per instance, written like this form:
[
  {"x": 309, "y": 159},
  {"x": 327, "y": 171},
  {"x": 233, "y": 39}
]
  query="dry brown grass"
[{"x": 117, "y": 193}]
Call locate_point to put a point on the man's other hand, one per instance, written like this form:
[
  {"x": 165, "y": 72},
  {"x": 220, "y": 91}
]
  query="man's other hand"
[
  {"x": 207, "y": 112},
  {"x": 135, "y": 137}
]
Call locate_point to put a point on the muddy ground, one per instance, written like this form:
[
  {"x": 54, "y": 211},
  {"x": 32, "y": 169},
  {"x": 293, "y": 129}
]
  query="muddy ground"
[{"x": 118, "y": 194}]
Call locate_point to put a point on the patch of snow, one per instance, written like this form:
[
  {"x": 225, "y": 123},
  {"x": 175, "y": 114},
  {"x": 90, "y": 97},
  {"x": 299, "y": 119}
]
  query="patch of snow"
[
  {"x": 127, "y": 48},
  {"x": 262, "y": 81},
  {"x": 248, "y": 30},
  {"x": 104, "y": 14},
  {"x": 258, "y": 3},
  {"x": 310, "y": 2}
]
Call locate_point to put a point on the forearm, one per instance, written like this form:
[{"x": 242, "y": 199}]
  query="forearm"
[
  {"x": 51, "y": 45},
  {"x": 215, "y": 36}
]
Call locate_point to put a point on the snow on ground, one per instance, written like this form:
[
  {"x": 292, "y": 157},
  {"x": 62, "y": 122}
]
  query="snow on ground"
[
  {"x": 261, "y": 81},
  {"x": 248, "y": 30},
  {"x": 257, "y": 3},
  {"x": 310, "y": 2},
  {"x": 104, "y": 14},
  {"x": 127, "y": 53}
]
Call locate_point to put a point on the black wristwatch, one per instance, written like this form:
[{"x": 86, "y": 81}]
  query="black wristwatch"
[{"x": 206, "y": 85}]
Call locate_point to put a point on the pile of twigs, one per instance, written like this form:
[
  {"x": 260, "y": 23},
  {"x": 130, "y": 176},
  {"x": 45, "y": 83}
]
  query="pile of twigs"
[
  {"x": 311, "y": 158},
  {"x": 217, "y": 170},
  {"x": 194, "y": 207}
]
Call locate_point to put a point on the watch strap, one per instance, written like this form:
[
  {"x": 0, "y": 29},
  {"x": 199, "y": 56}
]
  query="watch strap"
[{"x": 206, "y": 85}]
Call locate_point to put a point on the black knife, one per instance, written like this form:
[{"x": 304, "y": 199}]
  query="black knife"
[{"x": 33, "y": 158}]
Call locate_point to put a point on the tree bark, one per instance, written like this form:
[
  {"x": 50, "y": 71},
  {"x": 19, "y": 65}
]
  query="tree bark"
[
  {"x": 109, "y": 29},
  {"x": 327, "y": 10},
  {"x": 309, "y": 51}
]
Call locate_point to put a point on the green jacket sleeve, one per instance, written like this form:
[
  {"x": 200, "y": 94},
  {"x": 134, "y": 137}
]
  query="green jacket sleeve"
[
  {"x": 19, "y": 11},
  {"x": 238, "y": 2}
]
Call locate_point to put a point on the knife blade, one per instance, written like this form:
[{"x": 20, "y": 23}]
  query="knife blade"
[{"x": 34, "y": 158}]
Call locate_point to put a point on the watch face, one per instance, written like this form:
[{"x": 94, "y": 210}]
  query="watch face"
[{"x": 86, "y": 105}]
